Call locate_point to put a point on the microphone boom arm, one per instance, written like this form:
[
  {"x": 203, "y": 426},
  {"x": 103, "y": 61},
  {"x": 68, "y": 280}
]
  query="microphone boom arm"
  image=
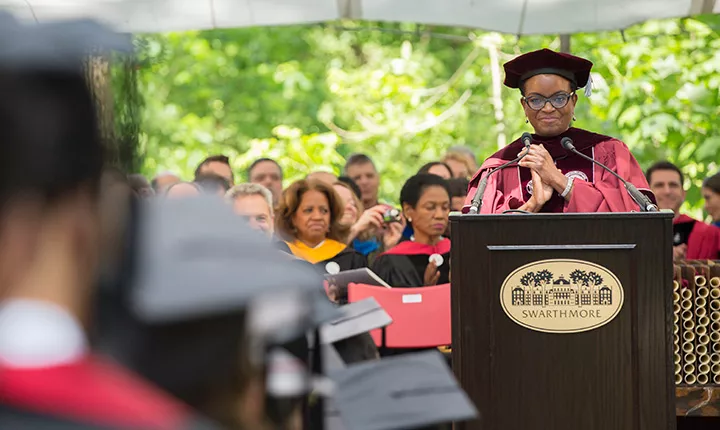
[{"x": 641, "y": 199}]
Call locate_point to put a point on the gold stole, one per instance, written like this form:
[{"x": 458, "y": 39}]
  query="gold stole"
[{"x": 325, "y": 251}]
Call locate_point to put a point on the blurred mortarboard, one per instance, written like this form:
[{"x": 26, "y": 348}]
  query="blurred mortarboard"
[
  {"x": 546, "y": 61},
  {"x": 357, "y": 318},
  {"x": 195, "y": 257},
  {"x": 193, "y": 268},
  {"x": 275, "y": 317},
  {"x": 57, "y": 46},
  {"x": 403, "y": 392}
]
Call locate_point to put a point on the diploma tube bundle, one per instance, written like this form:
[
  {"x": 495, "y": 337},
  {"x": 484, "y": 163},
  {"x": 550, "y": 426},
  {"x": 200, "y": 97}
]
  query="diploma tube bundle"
[
  {"x": 714, "y": 300},
  {"x": 696, "y": 323},
  {"x": 677, "y": 359}
]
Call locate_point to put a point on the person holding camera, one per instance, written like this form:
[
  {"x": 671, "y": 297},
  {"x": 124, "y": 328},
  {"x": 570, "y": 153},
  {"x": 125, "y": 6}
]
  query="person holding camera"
[
  {"x": 372, "y": 231},
  {"x": 424, "y": 259}
]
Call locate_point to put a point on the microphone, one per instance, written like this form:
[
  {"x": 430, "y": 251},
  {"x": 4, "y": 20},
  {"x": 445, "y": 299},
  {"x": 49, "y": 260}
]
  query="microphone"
[
  {"x": 641, "y": 199},
  {"x": 476, "y": 202}
]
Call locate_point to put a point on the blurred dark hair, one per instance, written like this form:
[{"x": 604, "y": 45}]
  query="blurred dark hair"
[
  {"x": 664, "y": 165},
  {"x": 49, "y": 140},
  {"x": 414, "y": 187},
  {"x": 353, "y": 186},
  {"x": 212, "y": 184},
  {"x": 213, "y": 159},
  {"x": 426, "y": 168},
  {"x": 260, "y": 160},
  {"x": 712, "y": 183},
  {"x": 137, "y": 181},
  {"x": 458, "y": 187}
]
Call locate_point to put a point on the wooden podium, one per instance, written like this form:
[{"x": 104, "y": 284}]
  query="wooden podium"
[{"x": 530, "y": 295}]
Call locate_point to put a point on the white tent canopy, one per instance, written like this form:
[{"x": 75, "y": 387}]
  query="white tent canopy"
[{"x": 507, "y": 16}]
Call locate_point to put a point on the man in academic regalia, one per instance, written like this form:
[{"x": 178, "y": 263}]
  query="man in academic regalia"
[
  {"x": 550, "y": 178},
  {"x": 692, "y": 239},
  {"x": 51, "y": 161}
]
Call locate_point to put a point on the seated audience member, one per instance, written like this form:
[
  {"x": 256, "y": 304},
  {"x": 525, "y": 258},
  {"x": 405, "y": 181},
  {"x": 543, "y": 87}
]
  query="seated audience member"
[
  {"x": 460, "y": 164},
  {"x": 162, "y": 181},
  {"x": 182, "y": 190},
  {"x": 711, "y": 194},
  {"x": 361, "y": 169},
  {"x": 254, "y": 202},
  {"x": 309, "y": 220},
  {"x": 437, "y": 168},
  {"x": 365, "y": 224},
  {"x": 458, "y": 191},
  {"x": 692, "y": 239},
  {"x": 424, "y": 259},
  {"x": 212, "y": 184},
  {"x": 468, "y": 153},
  {"x": 326, "y": 177},
  {"x": 217, "y": 165},
  {"x": 140, "y": 186},
  {"x": 353, "y": 186},
  {"x": 268, "y": 173}
]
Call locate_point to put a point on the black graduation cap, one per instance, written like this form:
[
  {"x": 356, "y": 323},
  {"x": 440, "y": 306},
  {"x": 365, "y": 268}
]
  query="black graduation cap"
[
  {"x": 356, "y": 318},
  {"x": 402, "y": 392},
  {"x": 342, "y": 341},
  {"x": 57, "y": 46},
  {"x": 191, "y": 270},
  {"x": 546, "y": 61},
  {"x": 195, "y": 257}
]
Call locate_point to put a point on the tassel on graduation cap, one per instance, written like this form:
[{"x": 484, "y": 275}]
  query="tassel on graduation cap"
[{"x": 589, "y": 87}]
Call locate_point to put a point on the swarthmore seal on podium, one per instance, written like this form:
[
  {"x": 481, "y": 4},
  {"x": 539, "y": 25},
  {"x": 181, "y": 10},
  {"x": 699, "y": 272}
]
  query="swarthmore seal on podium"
[{"x": 562, "y": 296}]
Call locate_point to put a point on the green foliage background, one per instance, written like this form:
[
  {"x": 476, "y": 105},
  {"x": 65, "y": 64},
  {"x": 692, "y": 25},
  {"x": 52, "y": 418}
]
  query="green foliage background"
[{"x": 404, "y": 93}]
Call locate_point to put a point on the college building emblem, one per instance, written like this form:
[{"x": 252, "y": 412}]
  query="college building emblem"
[{"x": 562, "y": 296}]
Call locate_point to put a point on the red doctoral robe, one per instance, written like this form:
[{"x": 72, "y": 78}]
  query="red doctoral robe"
[
  {"x": 91, "y": 392},
  {"x": 594, "y": 190},
  {"x": 703, "y": 242}
]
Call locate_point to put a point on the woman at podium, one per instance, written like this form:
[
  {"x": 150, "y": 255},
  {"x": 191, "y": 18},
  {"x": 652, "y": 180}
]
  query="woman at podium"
[
  {"x": 551, "y": 178},
  {"x": 424, "y": 259}
]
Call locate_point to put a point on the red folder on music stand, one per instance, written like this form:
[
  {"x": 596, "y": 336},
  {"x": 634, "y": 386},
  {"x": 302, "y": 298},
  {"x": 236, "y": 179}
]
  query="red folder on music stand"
[{"x": 421, "y": 316}]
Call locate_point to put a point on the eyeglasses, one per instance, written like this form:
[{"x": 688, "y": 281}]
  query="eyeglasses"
[{"x": 557, "y": 100}]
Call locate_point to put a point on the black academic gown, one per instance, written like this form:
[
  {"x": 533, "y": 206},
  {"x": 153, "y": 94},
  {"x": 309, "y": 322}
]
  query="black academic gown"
[
  {"x": 404, "y": 265},
  {"x": 347, "y": 259}
]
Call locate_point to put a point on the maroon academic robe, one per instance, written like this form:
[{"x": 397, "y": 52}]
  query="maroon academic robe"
[
  {"x": 703, "y": 242},
  {"x": 594, "y": 190},
  {"x": 94, "y": 392}
]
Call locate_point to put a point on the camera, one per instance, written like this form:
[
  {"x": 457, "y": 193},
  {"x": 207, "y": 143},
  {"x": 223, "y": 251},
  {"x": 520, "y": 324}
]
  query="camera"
[{"x": 391, "y": 215}]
